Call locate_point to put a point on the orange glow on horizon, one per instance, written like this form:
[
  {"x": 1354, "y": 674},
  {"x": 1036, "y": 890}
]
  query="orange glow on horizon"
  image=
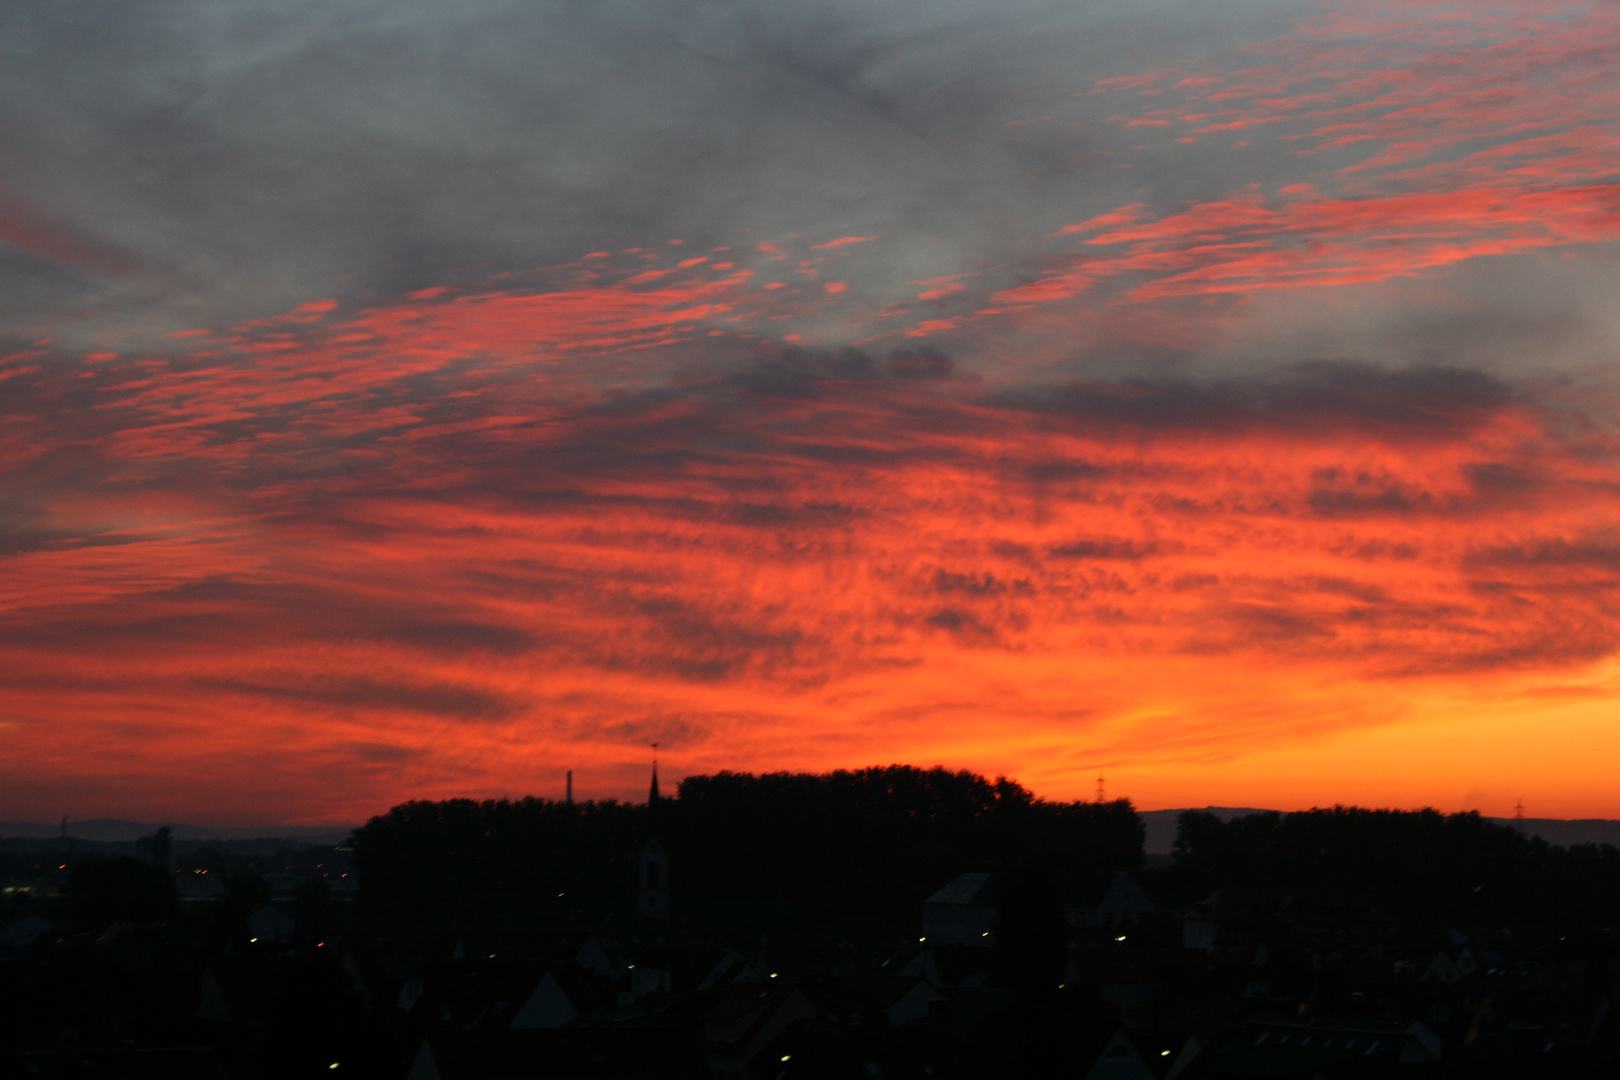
[{"x": 799, "y": 570}]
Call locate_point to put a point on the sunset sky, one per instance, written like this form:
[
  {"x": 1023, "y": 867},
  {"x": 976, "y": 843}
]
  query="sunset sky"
[{"x": 411, "y": 400}]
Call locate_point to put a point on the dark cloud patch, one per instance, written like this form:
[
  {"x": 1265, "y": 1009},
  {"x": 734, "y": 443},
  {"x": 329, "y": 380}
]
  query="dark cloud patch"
[
  {"x": 1047, "y": 472},
  {"x": 379, "y": 753},
  {"x": 707, "y": 646},
  {"x": 1493, "y": 479},
  {"x": 1281, "y": 626},
  {"x": 451, "y": 636},
  {"x": 198, "y": 615},
  {"x": 1330, "y": 399},
  {"x": 671, "y": 731},
  {"x": 1358, "y": 502},
  {"x": 1367, "y": 593},
  {"x": 1598, "y": 553},
  {"x": 1103, "y": 548},
  {"x": 1555, "y": 644},
  {"x": 135, "y": 628},
  {"x": 449, "y": 700},
  {"x": 231, "y": 157},
  {"x": 1340, "y": 492},
  {"x": 866, "y": 425},
  {"x": 1442, "y": 401},
  {"x": 17, "y": 538},
  {"x": 1016, "y": 552},
  {"x": 910, "y": 364},
  {"x": 966, "y": 627},
  {"x": 797, "y": 372},
  {"x": 976, "y": 584},
  {"x": 1376, "y": 550}
]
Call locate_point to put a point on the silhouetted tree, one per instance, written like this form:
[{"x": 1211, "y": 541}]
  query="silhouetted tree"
[
  {"x": 847, "y": 847},
  {"x": 423, "y": 860},
  {"x": 1420, "y": 864},
  {"x": 161, "y": 845},
  {"x": 104, "y": 891}
]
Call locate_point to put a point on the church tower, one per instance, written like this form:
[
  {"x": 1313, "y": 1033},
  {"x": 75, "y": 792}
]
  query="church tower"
[
  {"x": 652, "y": 881},
  {"x": 652, "y": 868}
]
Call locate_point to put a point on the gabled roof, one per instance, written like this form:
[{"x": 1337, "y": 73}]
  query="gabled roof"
[
  {"x": 1119, "y": 1061},
  {"x": 594, "y": 959},
  {"x": 912, "y": 1003},
  {"x": 967, "y": 889},
  {"x": 732, "y": 967},
  {"x": 546, "y": 1008}
]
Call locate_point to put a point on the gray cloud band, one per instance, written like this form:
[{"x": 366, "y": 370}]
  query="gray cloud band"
[{"x": 200, "y": 163}]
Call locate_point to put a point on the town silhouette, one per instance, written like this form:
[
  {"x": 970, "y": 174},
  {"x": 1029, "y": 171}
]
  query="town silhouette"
[{"x": 891, "y": 922}]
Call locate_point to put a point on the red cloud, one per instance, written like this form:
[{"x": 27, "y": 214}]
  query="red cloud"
[
  {"x": 238, "y": 575},
  {"x": 1486, "y": 136}
]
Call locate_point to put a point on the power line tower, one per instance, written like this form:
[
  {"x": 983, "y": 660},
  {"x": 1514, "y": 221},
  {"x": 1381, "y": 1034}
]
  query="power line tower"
[
  {"x": 1518, "y": 812},
  {"x": 1102, "y": 791}
]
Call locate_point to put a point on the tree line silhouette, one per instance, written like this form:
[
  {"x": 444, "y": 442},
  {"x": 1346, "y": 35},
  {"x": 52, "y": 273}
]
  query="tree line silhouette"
[
  {"x": 848, "y": 847},
  {"x": 864, "y": 846},
  {"x": 1415, "y": 865}
]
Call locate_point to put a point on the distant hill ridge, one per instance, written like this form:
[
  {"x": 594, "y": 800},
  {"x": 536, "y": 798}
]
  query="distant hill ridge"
[
  {"x": 116, "y": 831},
  {"x": 1161, "y": 827}
]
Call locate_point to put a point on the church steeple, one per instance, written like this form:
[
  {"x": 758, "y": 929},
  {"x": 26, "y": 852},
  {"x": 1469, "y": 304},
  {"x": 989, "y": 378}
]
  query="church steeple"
[{"x": 652, "y": 892}]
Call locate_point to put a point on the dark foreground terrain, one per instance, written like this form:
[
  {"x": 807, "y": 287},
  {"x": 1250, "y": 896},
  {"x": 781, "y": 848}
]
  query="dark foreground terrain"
[{"x": 886, "y": 923}]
